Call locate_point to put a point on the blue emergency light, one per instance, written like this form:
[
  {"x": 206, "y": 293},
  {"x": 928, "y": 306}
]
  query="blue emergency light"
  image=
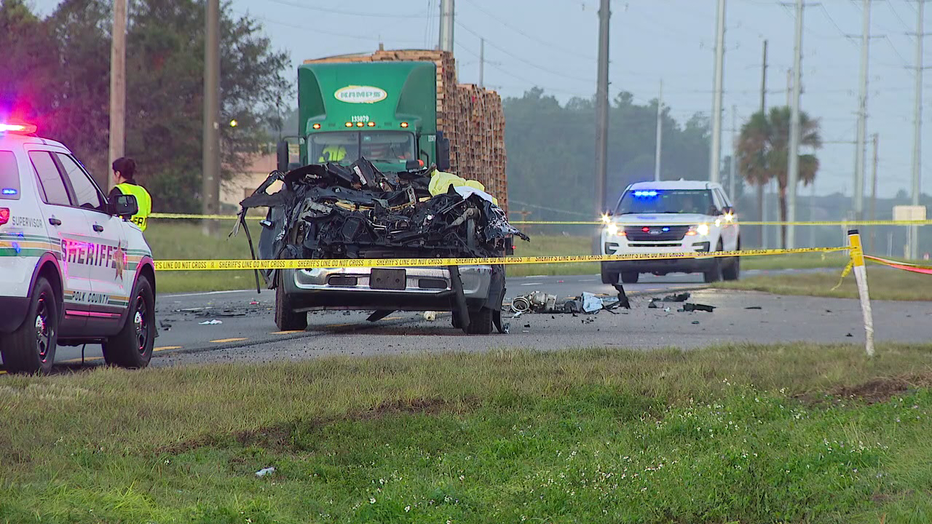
[
  {"x": 645, "y": 194},
  {"x": 8, "y": 191}
]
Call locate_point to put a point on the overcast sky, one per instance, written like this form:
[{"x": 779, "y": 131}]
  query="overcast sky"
[{"x": 553, "y": 44}]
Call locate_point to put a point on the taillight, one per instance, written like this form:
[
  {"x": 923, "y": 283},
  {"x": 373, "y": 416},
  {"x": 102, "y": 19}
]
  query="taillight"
[{"x": 4, "y": 215}]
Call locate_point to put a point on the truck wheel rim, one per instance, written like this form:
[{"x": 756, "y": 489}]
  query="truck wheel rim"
[
  {"x": 43, "y": 330},
  {"x": 141, "y": 324}
]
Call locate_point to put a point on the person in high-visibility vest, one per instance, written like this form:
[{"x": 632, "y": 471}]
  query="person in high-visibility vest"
[
  {"x": 332, "y": 153},
  {"x": 124, "y": 169}
]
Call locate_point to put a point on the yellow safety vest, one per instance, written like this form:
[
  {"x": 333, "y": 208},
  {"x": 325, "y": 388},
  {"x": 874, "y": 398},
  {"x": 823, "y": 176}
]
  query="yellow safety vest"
[
  {"x": 337, "y": 153},
  {"x": 144, "y": 201}
]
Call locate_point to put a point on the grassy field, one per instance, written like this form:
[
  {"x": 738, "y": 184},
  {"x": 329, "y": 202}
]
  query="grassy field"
[
  {"x": 883, "y": 284},
  {"x": 174, "y": 240},
  {"x": 798, "y": 433}
]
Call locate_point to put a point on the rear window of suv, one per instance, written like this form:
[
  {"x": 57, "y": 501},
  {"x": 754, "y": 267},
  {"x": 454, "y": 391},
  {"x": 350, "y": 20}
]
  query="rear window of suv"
[{"x": 9, "y": 176}]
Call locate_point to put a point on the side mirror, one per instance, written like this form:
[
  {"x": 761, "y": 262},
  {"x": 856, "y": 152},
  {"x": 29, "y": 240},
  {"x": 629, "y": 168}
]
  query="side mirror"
[
  {"x": 124, "y": 206},
  {"x": 443, "y": 152},
  {"x": 413, "y": 165},
  {"x": 281, "y": 152}
]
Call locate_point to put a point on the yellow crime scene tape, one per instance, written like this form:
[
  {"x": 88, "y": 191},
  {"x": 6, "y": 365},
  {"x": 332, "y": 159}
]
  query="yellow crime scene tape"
[
  {"x": 190, "y": 216},
  {"x": 219, "y": 265}
]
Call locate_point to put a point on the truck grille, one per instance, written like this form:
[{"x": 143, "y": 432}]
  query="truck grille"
[{"x": 655, "y": 233}]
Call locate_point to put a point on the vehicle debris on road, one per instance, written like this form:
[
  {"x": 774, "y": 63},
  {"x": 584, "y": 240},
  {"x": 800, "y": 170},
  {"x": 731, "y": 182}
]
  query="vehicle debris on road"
[{"x": 540, "y": 302}]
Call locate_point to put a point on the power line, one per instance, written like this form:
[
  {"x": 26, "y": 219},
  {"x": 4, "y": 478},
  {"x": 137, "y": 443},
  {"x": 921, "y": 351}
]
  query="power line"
[
  {"x": 905, "y": 62},
  {"x": 897, "y": 15},
  {"x": 320, "y": 31},
  {"x": 539, "y": 41},
  {"x": 350, "y": 13},
  {"x": 516, "y": 57}
]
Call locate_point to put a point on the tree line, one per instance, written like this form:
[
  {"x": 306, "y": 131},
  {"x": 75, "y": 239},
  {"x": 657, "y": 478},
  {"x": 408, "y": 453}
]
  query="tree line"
[{"x": 55, "y": 72}]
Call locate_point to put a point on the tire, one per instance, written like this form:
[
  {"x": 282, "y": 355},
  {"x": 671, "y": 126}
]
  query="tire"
[
  {"x": 31, "y": 348},
  {"x": 285, "y": 317},
  {"x": 714, "y": 274},
  {"x": 132, "y": 346},
  {"x": 480, "y": 321},
  {"x": 630, "y": 277},
  {"x": 733, "y": 271},
  {"x": 609, "y": 277}
]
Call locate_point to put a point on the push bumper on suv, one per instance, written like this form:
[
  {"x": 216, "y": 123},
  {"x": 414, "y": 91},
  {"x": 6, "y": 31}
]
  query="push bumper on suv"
[
  {"x": 418, "y": 289},
  {"x": 657, "y": 239}
]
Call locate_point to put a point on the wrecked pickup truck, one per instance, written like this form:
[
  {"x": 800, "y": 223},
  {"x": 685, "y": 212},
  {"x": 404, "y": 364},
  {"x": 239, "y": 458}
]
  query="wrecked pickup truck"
[{"x": 332, "y": 211}]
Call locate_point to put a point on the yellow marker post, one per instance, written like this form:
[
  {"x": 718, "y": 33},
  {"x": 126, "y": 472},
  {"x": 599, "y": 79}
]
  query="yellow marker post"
[{"x": 860, "y": 275}]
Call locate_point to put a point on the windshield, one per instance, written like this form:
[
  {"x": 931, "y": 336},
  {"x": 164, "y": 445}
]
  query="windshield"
[
  {"x": 693, "y": 201},
  {"x": 346, "y": 147}
]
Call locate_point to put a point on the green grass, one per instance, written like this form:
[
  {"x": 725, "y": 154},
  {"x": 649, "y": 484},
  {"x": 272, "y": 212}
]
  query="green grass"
[
  {"x": 183, "y": 240},
  {"x": 883, "y": 284},
  {"x": 789, "y": 433}
]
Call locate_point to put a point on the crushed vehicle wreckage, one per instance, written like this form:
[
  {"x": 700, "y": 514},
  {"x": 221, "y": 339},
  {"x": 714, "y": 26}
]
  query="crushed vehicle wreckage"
[{"x": 332, "y": 211}]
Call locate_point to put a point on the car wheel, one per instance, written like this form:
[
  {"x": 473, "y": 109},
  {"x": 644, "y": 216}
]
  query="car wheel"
[
  {"x": 629, "y": 277},
  {"x": 714, "y": 274},
  {"x": 733, "y": 271},
  {"x": 285, "y": 317},
  {"x": 31, "y": 348},
  {"x": 480, "y": 321},
  {"x": 609, "y": 277},
  {"x": 132, "y": 346}
]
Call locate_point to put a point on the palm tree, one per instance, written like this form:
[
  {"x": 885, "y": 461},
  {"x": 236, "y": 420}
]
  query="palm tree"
[{"x": 762, "y": 151}]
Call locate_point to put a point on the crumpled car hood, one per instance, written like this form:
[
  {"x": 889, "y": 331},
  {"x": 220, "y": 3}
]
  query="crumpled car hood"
[{"x": 329, "y": 211}]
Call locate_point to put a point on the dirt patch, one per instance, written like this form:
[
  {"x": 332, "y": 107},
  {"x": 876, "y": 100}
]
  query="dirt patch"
[
  {"x": 884, "y": 388},
  {"x": 281, "y": 437}
]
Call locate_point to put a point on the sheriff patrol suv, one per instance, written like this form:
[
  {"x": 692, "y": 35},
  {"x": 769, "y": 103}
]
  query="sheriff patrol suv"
[
  {"x": 671, "y": 217},
  {"x": 72, "y": 270}
]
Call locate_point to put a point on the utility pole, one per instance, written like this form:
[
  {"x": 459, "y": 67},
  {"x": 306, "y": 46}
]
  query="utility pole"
[
  {"x": 862, "y": 114},
  {"x": 733, "y": 167},
  {"x": 601, "y": 132},
  {"x": 211, "y": 146},
  {"x": 659, "y": 133},
  {"x": 601, "y": 109},
  {"x": 793, "y": 161},
  {"x": 917, "y": 134},
  {"x": 763, "y": 108},
  {"x": 715, "y": 156},
  {"x": 446, "y": 25},
  {"x": 481, "y": 62},
  {"x": 874, "y": 194},
  {"x": 117, "y": 90}
]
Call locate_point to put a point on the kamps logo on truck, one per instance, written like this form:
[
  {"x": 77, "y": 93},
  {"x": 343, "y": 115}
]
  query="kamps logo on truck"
[{"x": 360, "y": 94}]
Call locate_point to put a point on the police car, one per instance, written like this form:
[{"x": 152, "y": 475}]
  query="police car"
[
  {"x": 671, "y": 217},
  {"x": 73, "y": 269}
]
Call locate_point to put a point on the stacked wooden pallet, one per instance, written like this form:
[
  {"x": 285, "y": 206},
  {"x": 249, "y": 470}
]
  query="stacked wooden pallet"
[{"x": 471, "y": 117}]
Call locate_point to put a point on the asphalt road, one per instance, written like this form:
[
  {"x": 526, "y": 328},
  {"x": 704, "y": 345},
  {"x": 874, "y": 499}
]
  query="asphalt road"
[{"x": 239, "y": 326}]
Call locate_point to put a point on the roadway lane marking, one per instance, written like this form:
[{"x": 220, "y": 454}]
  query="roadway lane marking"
[
  {"x": 286, "y": 332},
  {"x": 587, "y": 280},
  {"x": 207, "y": 293},
  {"x": 166, "y": 348},
  {"x": 225, "y": 340},
  {"x": 532, "y": 284}
]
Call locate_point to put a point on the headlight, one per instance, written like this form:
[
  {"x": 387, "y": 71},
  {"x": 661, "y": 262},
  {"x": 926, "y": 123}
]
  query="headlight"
[
  {"x": 701, "y": 229},
  {"x": 611, "y": 229}
]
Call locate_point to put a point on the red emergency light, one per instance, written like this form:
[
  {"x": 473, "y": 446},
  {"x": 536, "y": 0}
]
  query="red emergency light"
[
  {"x": 4, "y": 215},
  {"x": 20, "y": 129}
]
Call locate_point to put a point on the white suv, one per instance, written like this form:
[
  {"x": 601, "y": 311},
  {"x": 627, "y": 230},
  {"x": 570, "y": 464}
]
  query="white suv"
[
  {"x": 72, "y": 269},
  {"x": 671, "y": 217}
]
